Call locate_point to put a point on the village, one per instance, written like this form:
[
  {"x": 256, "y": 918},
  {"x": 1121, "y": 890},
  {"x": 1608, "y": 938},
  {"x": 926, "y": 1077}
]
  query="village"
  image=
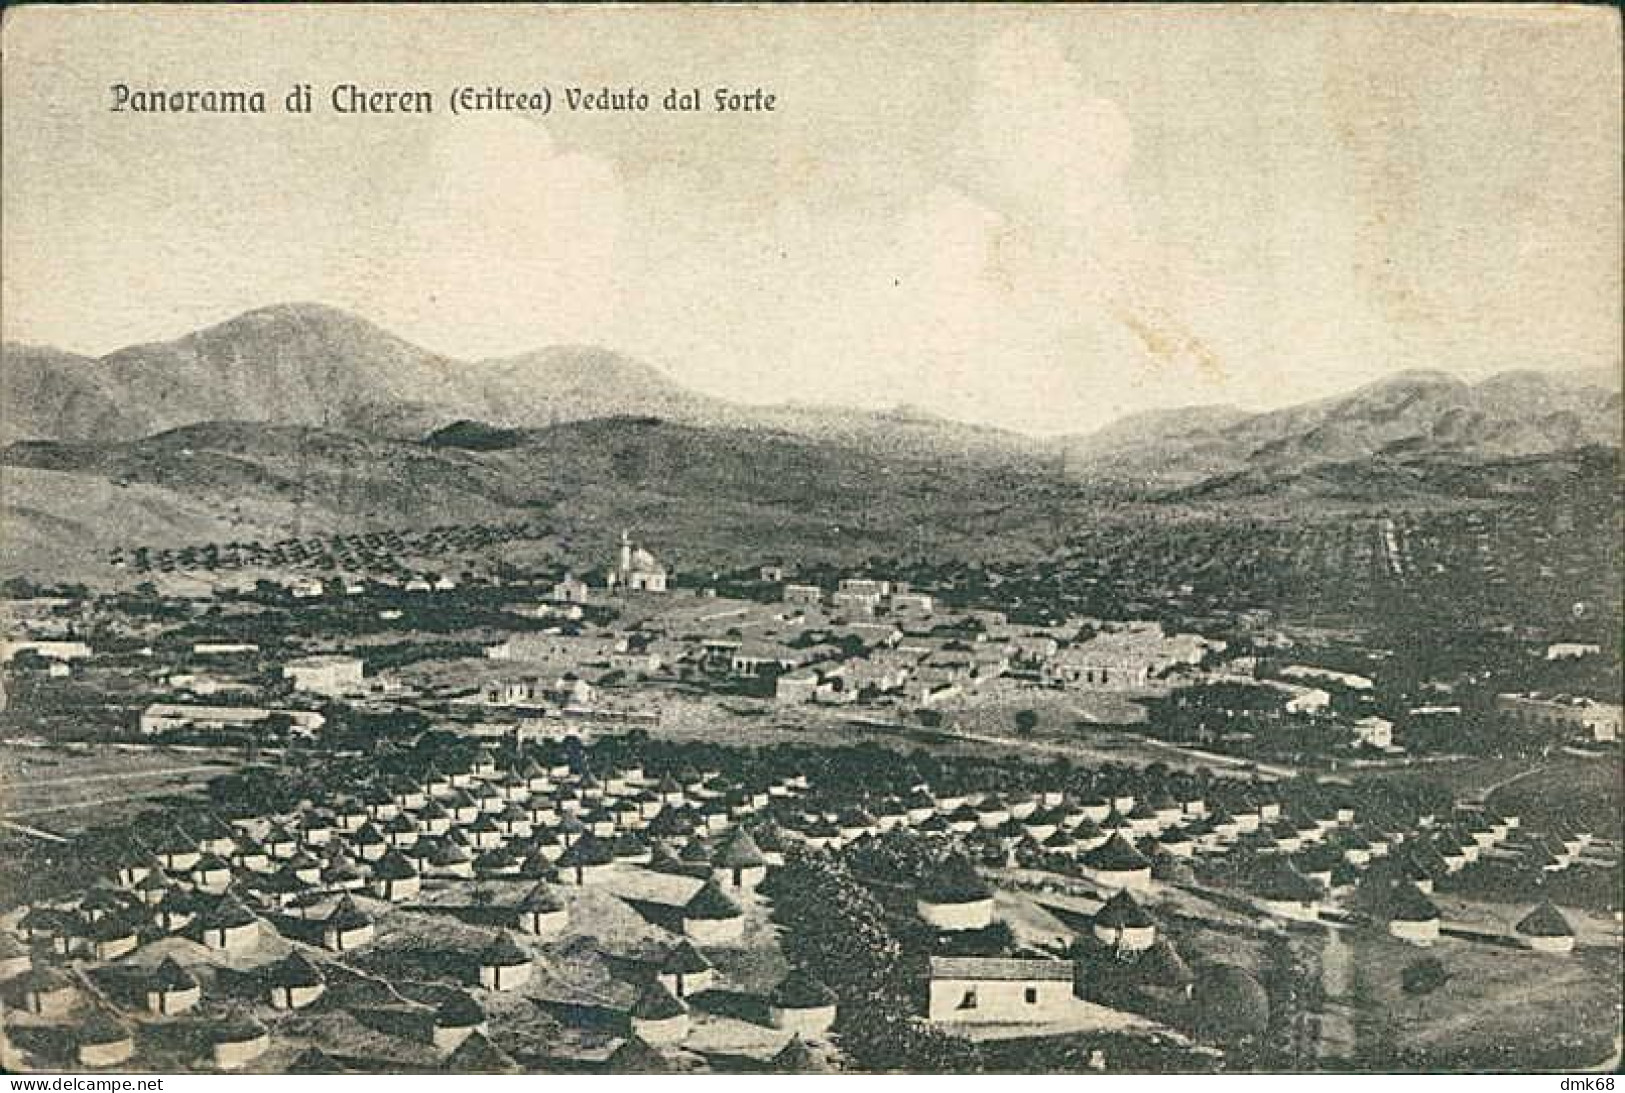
[{"x": 631, "y": 819}]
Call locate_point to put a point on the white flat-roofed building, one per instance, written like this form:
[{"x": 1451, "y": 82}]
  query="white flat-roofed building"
[
  {"x": 331, "y": 674},
  {"x": 802, "y": 594},
  {"x": 1034, "y": 648},
  {"x": 1310, "y": 674},
  {"x": 1571, "y": 650},
  {"x": 224, "y": 648},
  {"x": 1375, "y": 732},
  {"x": 556, "y": 646},
  {"x": 865, "y": 586},
  {"x": 998, "y": 990},
  {"x": 918, "y": 603},
  {"x": 637, "y": 569},
  {"x": 752, "y": 657},
  {"x": 571, "y": 590},
  {"x": 163, "y": 717},
  {"x": 50, "y": 650},
  {"x": 863, "y": 603},
  {"x": 1564, "y": 713},
  {"x": 1127, "y": 657}
]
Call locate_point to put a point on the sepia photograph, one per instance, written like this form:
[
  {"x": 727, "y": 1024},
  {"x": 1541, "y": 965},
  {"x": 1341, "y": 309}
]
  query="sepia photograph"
[{"x": 738, "y": 539}]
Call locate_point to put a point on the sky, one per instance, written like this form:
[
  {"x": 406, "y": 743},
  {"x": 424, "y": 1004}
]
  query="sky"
[{"x": 1040, "y": 219}]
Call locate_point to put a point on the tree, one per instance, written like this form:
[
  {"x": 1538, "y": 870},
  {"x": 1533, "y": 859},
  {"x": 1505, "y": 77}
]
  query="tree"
[
  {"x": 931, "y": 719},
  {"x": 1294, "y": 990},
  {"x": 1026, "y": 721},
  {"x": 1422, "y": 977},
  {"x": 1231, "y": 1008}
]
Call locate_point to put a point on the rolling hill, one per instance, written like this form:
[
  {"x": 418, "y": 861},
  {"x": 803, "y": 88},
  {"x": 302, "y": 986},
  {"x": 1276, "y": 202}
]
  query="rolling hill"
[
  {"x": 1412, "y": 419},
  {"x": 710, "y": 493},
  {"x": 308, "y": 364},
  {"x": 302, "y": 416}
]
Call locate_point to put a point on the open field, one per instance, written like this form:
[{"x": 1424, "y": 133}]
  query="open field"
[
  {"x": 1592, "y": 791},
  {"x": 748, "y": 722},
  {"x": 1537, "y": 789},
  {"x": 64, "y": 789},
  {"x": 992, "y": 708},
  {"x": 1502, "y": 1008}
]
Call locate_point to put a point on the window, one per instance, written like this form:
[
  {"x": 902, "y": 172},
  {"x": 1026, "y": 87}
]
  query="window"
[
  {"x": 969, "y": 1001},
  {"x": 1032, "y": 996}
]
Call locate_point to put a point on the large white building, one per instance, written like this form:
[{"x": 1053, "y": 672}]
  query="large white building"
[
  {"x": 1126, "y": 658},
  {"x": 164, "y": 717}
]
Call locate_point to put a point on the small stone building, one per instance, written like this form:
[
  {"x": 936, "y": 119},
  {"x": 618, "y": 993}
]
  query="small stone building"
[
  {"x": 998, "y": 990},
  {"x": 504, "y": 966},
  {"x": 711, "y": 918},
  {"x": 658, "y": 1016},
  {"x": 172, "y": 989},
  {"x": 803, "y": 1005},
  {"x": 294, "y": 982}
]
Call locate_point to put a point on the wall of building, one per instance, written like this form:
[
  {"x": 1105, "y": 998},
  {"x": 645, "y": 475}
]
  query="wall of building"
[{"x": 998, "y": 1001}]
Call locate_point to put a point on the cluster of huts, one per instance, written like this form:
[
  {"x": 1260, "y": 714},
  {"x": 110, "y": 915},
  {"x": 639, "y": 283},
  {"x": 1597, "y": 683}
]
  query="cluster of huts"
[
  {"x": 319, "y": 873},
  {"x": 312, "y": 874},
  {"x": 1298, "y": 855}
]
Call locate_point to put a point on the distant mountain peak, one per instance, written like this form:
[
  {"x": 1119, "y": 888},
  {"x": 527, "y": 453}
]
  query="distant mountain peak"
[{"x": 1413, "y": 379}]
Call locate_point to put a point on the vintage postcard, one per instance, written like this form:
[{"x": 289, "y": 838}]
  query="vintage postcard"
[{"x": 1031, "y": 539}]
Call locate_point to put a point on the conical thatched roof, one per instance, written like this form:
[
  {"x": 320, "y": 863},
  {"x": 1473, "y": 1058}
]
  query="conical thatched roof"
[
  {"x": 236, "y": 1027},
  {"x": 228, "y": 913},
  {"x": 684, "y": 959},
  {"x": 956, "y": 881},
  {"x": 1285, "y": 884},
  {"x": 170, "y": 976},
  {"x": 102, "y": 1026},
  {"x": 394, "y": 866},
  {"x": 1406, "y": 903},
  {"x": 459, "y": 1010},
  {"x": 1162, "y": 966},
  {"x": 636, "y": 1056},
  {"x": 347, "y": 916},
  {"x": 739, "y": 851},
  {"x": 1116, "y": 855},
  {"x": 503, "y": 952},
  {"x": 295, "y": 970},
  {"x": 662, "y": 860},
  {"x": 710, "y": 902},
  {"x": 588, "y": 849},
  {"x": 800, "y": 990},
  {"x": 44, "y": 977},
  {"x": 656, "y": 1003},
  {"x": 478, "y": 1055},
  {"x": 1545, "y": 921},
  {"x": 541, "y": 898},
  {"x": 1123, "y": 912},
  {"x": 796, "y": 1057}
]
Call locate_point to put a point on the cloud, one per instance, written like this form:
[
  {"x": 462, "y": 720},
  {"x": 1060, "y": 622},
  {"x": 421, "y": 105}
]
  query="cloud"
[
  {"x": 500, "y": 234},
  {"x": 1039, "y": 144}
]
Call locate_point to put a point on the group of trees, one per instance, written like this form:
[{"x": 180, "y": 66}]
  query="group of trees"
[
  {"x": 836, "y": 931},
  {"x": 1292, "y": 982}
]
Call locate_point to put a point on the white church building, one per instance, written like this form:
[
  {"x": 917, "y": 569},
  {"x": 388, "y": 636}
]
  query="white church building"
[{"x": 636, "y": 570}]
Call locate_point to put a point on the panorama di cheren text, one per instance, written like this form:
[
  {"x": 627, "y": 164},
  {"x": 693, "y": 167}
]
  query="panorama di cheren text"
[{"x": 350, "y": 98}]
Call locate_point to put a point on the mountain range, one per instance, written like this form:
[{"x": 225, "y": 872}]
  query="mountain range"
[
  {"x": 308, "y": 414},
  {"x": 308, "y": 364}
]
